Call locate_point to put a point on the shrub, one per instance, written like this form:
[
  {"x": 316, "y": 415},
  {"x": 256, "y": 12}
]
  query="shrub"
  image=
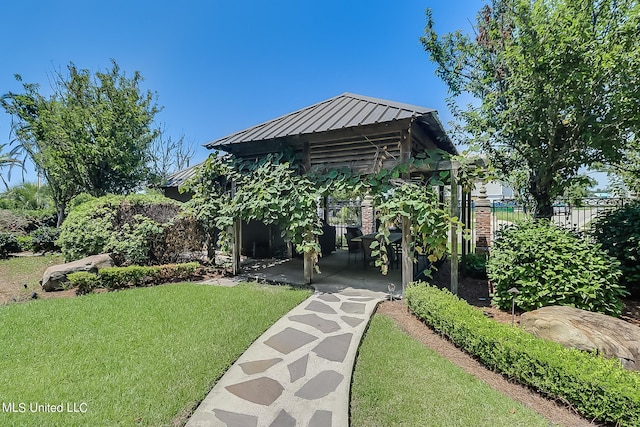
[
  {"x": 44, "y": 239},
  {"x": 8, "y": 244},
  {"x": 476, "y": 266},
  {"x": 599, "y": 388},
  {"x": 551, "y": 265},
  {"x": 25, "y": 243},
  {"x": 84, "y": 281},
  {"x": 131, "y": 276},
  {"x": 128, "y": 277},
  {"x": 618, "y": 232},
  {"x": 134, "y": 229}
]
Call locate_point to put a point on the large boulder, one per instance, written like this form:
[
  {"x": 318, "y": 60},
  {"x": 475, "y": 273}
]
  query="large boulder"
[
  {"x": 588, "y": 331},
  {"x": 55, "y": 277}
]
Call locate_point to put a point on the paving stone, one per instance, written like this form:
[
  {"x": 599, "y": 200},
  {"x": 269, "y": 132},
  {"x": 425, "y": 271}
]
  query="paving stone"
[
  {"x": 361, "y": 299},
  {"x": 321, "y": 385},
  {"x": 352, "y": 321},
  {"x": 258, "y": 366},
  {"x": 263, "y": 390},
  {"x": 283, "y": 420},
  {"x": 233, "y": 419},
  {"x": 320, "y": 307},
  {"x": 298, "y": 369},
  {"x": 329, "y": 298},
  {"x": 289, "y": 340},
  {"x": 321, "y": 419},
  {"x": 334, "y": 348},
  {"x": 324, "y": 325},
  {"x": 353, "y": 307}
]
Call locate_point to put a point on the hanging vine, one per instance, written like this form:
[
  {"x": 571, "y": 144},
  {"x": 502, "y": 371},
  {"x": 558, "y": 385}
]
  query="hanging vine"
[{"x": 271, "y": 190}]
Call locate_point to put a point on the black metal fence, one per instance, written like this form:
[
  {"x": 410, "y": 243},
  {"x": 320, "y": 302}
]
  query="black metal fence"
[
  {"x": 343, "y": 214},
  {"x": 571, "y": 214}
]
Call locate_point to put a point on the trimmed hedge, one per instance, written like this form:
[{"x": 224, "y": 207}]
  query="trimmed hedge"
[
  {"x": 130, "y": 277},
  {"x": 597, "y": 387}
]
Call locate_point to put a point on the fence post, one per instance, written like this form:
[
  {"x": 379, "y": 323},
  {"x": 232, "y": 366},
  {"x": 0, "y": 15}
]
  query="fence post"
[{"x": 483, "y": 221}]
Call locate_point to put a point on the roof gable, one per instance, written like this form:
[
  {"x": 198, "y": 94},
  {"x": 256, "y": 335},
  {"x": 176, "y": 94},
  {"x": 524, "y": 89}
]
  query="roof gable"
[{"x": 343, "y": 111}]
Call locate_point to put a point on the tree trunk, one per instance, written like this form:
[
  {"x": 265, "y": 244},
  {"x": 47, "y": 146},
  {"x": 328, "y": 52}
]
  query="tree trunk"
[
  {"x": 60, "y": 211},
  {"x": 541, "y": 192}
]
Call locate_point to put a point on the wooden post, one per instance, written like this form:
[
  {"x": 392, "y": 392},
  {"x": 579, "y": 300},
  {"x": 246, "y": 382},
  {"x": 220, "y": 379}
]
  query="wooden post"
[
  {"x": 308, "y": 268},
  {"x": 235, "y": 246},
  {"x": 407, "y": 256},
  {"x": 454, "y": 232}
]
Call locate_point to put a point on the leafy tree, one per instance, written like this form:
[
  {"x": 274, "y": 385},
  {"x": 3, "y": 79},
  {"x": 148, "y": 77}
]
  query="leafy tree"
[
  {"x": 92, "y": 134},
  {"x": 28, "y": 196},
  {"x": 555, "y": 84},
  {"x": 9, "y": 159}
]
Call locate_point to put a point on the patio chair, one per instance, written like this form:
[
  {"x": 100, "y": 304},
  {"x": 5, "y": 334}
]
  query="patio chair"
[{"x": 354, "y": 247}]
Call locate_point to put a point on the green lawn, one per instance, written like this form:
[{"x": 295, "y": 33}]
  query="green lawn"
[
  {"x": 26, "y": 270},
  {"x": 399, "y": 382},
  {"x": 137, "y": 357}
]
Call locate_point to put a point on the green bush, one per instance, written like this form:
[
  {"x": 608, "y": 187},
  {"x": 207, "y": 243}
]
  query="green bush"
[
  {"x": 8, "y": 244},
  {"x": 44, "y": 239},
  {"x": 128, "y": 277},
  {"x": 476, "y": 265},
  {"x": 551, "y": 265},
  {"x": 618, "y": 232},
  {"x": 132, "y": 276},
  {"x": 25, "y": 243},
  {"x": 598, "y": 388},
  {"x": 84, "y": 281},
  {"x": 124, "y": 226}
]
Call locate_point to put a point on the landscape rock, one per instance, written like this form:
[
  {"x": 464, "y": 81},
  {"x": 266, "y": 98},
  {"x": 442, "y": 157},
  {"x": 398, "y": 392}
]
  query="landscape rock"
[
  {"x": 55, "y": 277},
  {"x": 588, "y": 331}
]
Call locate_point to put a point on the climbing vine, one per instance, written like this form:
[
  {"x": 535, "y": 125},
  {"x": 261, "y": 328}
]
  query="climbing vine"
[
  {"x": 273, "y": 191},
  {"x": 429, "y": 222}
]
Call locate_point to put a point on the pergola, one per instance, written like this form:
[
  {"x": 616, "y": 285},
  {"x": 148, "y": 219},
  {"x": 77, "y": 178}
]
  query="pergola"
[
  {"x": 361, "y": 133},
  {"x": 357, "y": 132}
]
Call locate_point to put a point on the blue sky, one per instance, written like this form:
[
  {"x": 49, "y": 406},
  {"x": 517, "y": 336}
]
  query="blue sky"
[{"x": 222, "y": 66}]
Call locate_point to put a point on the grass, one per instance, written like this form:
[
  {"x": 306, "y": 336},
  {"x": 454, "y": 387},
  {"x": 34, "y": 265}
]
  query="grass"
[
  {"x": 399, "y": 382},
  {"x": 29, "y": 270},
  {"x": 139, "y": 357}
]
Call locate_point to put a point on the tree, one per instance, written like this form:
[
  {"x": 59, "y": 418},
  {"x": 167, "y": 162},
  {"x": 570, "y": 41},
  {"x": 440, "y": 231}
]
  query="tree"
[
  {"x": 624, "y": 176},
  {"x": 555, "y": 84},
  {"x": 91, "y": 135},
  {"x": 168, "y": 155},
  {"x": 9, "y": 159}
]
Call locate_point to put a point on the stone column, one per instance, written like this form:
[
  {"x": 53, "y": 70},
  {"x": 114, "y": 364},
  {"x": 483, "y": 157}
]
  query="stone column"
[
  {"x": 483, "y": 221},
  {"x": 368, "y": 215}
]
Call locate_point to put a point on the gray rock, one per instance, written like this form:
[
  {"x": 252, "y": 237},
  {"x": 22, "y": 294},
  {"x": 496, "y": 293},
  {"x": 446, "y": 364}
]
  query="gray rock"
[
  {"x": 588, "y": 331},
  {"x": 55, "y": 277}
]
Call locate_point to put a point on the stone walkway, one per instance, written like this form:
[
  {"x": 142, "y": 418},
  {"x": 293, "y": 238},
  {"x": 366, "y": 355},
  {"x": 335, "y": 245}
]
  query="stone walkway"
[{"x": 298, "y": 373}]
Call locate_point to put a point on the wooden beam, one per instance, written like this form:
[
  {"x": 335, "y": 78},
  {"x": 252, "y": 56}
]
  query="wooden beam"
[
  {"x": 308, "y": 268},
  {"x": 454, "y": 232},
  {"x": 407, "y": 254},
  {"x": 235, "y": 246}
]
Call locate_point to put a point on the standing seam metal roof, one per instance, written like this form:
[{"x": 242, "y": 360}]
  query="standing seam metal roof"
[{"x": 343, "y": 111}]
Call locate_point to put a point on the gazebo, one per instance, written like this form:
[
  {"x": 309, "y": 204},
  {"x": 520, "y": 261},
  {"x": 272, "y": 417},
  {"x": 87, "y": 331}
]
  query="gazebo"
[{"x": 361, "y": 133}]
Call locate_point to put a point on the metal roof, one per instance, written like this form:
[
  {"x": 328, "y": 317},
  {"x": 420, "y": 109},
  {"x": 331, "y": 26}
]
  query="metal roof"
[
  {"x": 343, "y": 111},
  {"x": 178, "y": 178}
]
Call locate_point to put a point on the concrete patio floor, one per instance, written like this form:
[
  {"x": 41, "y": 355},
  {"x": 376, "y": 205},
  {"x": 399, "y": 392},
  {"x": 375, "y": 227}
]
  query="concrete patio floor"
[{"x": 337, "y": 273}]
